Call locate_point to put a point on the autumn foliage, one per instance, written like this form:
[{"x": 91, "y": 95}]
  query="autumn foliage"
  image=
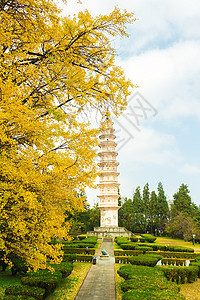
[{"x": 52, "y": 69}]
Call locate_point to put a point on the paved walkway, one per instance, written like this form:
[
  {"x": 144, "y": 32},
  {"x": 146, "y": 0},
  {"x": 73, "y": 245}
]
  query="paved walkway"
[{"x": 99, "y": 283}]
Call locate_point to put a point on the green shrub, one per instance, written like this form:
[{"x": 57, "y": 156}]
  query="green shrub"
[
  {"x": 127, "y": 252},
  {"x": 153, "y": 282},
  {"x": 179, "y": 249},
  {"x": 128, "y": 246},
  {"x": 29, "y": 291},
  {"x": 144, "y": 249},
  {"x": 173, "y": 261},
  {"x": 180, "y": 274},
  {"x": 142, "y": 240},
  {"x": 172, "y": 254},
  {"x": 131, "y": 271},
  {"x": 78, "y": 250},
  {"x": 121, "y": 259},
  {"x": 84, "y": 258},
  {"x": 122, "y": 240},
  {"x": 69, "y": 257},
  {"x": 145, "y": 260},
  {"x": 148, "y": 294},
  {"x": 18, "y": 297},
  {"x": 148, "y": 237},
  {"x": 196, "y": 264},
  {"x": 81, "y": 237},
  {"x": 43, "y": 279},
  {"x": 64, "y": 267},
  {"x": 134, "y": 239}
]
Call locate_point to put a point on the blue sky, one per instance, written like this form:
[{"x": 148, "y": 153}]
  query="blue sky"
[{"x": 162, "y": 56}]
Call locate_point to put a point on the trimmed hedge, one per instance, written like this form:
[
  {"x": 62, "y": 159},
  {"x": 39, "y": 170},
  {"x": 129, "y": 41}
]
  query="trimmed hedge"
[
  {"x": 147, "y": 283},
  {"x": 173, "y": 261},
  {"x": 128, "y": 246},
  {"x": 196, "y": 264},
  {"x": 131, "y": 271},
  {"x": 134, "y": 239},
  {"x": 78, "y": 245},
  {"x": 127, "y": 252},
  {"x": 28, "y": 291},
  {"x": 174, "y": 254},
  {"x": 121, "y": 240},
  {"x": 180, "y": 274},
  {"x": 67, "y": 257},
  {"x": 148, "y": 294},
  {"x": 153, "y": 282},
  {"x": 145, "y": 260},
  {"x": 43, "y": 279},
  {"x": 17, "y": 297},
  {"x": 148, "y": 237},
  {"x": 64, "y": 267},
  {"x": 84, "y": 258},
  {"x": 144, "y": 249},
  {"x": 121, "y": 259},
  {"x": 78, "y": 250}
]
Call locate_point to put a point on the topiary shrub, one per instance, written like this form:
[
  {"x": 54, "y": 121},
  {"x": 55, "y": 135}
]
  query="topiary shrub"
[
  {"x": 180, "y": 274},
  {"x": 18, "y": 297},
  {"x": 122, "y": 240},
  {"x": 43, "y": 279},
  {"x": 28, "y": 291},
  {"x": 64, "y": 267},
  {"x": 148, "y": 294},
  {"x": 145, "y": 260},
  {"x": 143, "y": 248},
  {"x": 131, "y": 271},
  {"x": 134, "y": 239},
  {"x": 148, "y": 238}
]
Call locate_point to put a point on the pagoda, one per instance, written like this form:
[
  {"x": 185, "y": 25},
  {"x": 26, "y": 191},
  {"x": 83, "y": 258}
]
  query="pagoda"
[
  {"x": 108, "y": 185},
  {"x": 108, "y": 180}
]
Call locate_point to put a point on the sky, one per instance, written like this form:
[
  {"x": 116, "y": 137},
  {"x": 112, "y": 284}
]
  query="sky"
[{"x": 157, "y": 135}]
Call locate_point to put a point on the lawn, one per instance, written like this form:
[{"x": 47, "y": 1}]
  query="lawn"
[
  {"x": 177, "y": 242},
  {"x": 69, "y": 287}
]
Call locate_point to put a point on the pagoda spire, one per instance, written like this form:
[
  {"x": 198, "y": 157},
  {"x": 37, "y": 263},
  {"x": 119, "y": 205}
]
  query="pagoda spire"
[{"x": 108, "y": 179}]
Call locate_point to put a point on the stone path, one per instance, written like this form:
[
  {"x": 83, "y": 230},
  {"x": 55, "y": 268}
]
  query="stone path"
[{"x": 99, "y": 283}]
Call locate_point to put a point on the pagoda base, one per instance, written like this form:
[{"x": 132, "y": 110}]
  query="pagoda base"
[{"x": 101, "y": 232}]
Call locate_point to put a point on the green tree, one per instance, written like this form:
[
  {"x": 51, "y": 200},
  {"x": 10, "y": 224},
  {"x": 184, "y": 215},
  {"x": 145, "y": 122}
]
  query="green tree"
[
  {"x": 182, "y": 201},
  {"x": 127, "y": 215},
  {"x": 183, "y": 226},
  {"x": 146, "y": 200},
  {"x": 153, "y": 212},
  {"x": 139, "y": 212},
  {"x": 162, "y": 209}
]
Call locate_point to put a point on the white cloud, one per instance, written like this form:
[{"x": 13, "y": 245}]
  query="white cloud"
[{"x": 188, "y": 169}]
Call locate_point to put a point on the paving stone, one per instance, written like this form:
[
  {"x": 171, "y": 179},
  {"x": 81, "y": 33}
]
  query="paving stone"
[{"x": 99, "y": 283}]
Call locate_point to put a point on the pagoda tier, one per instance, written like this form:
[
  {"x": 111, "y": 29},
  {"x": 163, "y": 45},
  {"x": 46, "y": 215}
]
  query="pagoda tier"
[{"x": 108, "y": 183}]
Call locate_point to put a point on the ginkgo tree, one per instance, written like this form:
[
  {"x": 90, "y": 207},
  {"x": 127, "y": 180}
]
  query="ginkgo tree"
[{"x": 52, "y": 69}]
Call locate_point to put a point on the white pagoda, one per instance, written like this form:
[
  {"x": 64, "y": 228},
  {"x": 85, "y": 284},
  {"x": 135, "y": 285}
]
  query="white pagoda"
[
  {"x": 108, "y": 180},
  {"x": 108, "y": 185}
]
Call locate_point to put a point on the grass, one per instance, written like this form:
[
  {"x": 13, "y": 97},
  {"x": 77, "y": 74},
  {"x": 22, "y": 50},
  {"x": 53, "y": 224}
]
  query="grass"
[
  {"x": 177, "y": 242},
  {"x": 118, "y": 280},
  {"x": 69, "y": 287},
  {"x": 191, "y": 290},
  {"x": 6, "y": 279}
]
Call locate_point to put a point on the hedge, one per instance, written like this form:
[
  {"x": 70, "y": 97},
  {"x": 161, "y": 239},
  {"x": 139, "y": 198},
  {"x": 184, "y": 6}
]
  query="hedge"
[
  {"x": 43, "y": 279},
  {"x": 78, "y": 250},
  {"x": 121, "y": 259},
  {"x": 134, "y": 239},
  {"x": 153, "y": 282},
  {"x": 17, "y": 297},
  {"x": 148, "y": 237},
  {"x": 145, "y": 260},
  {"x": 148, "y": 294},
  {"x": 131, "y": 271},
  {"x": 64, "y": 267},
  {"x": 174, "y": 254},
  {"x": 78, "y": 245},
  {"x": 121, "y": 240},
  {"x": 128, "y": 246},
  {"x": 127, "y": 252},
  {"x": 174, "y": 261},
  {"x": 196, "y": 264},
  {"x": 144, "y": 249},
  {"x": 28, "y": 291},
  {"x": 67, "y": 257},
  {"x": 180, "y": 274}
]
